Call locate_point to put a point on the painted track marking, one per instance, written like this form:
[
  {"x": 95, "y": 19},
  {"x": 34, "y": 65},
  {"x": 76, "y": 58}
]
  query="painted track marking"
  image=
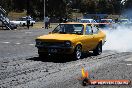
[{"x": 6, "y": 42}]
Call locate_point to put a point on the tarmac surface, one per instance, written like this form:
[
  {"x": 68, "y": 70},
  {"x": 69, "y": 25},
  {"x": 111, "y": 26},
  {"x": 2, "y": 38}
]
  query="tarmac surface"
[{"x": 21, "y": 67}]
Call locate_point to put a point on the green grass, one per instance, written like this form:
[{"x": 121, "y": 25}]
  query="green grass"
[
  {"x": 16, "y": 15},
  {"x": 39, "y": 25}
]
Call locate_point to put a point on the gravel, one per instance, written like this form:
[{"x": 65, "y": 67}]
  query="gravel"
[{"x": 20, "y": 66}]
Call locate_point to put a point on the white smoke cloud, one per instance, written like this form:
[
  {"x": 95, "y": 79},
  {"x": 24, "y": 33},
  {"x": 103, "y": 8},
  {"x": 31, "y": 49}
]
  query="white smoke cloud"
[{"x": 119, "y": 39}]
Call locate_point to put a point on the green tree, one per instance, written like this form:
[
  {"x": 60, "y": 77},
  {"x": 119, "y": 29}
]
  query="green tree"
[
  {"x": 19, "y": 5},
  {"x": 88, "y": 6},
  {"x": 6, "y": 4}
]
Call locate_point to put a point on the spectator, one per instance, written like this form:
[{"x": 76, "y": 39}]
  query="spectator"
[
  {"x": 46, "y": 20},
  {"x": 61, "y": 20},
  {"x": 28, "y": 18},
  {"x": 116, "y": 20},
  {"x": 65, "y": 20},
  {"x": 49, "y": 22}
]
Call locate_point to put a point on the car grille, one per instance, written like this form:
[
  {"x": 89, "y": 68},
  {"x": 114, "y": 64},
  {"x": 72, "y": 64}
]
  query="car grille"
[{"x": 50, "y": 43}]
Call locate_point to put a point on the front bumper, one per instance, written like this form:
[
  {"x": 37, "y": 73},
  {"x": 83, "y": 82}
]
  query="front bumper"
[{"x": 55, "y": 49}]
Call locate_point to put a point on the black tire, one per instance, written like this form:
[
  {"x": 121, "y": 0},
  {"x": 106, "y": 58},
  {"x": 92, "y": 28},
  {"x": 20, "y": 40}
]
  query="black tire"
[
  {"x": 77, "y": 52},
  {"x": 23, "y": 24},
  {"x": 98, "y": 49}
]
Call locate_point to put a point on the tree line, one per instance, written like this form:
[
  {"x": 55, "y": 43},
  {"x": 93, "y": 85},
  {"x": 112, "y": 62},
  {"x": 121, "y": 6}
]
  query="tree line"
[{"x": 62, "y": 8}]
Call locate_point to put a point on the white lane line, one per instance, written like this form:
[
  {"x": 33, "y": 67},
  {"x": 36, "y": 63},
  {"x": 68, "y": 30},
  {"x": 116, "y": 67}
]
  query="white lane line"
[
  {"x": 6, "y": 42},
  {"x": 31, "y": 44},
  {"x": 17, "y": 43},
  {"x": 129, "y": 64}
]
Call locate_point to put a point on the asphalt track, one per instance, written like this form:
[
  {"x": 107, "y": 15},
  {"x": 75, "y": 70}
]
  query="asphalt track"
[{"x": 20, "y": 66}]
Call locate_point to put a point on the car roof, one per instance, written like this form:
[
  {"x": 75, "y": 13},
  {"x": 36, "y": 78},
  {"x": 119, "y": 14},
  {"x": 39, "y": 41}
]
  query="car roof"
[
  {"x": 106, "y": 19},
  {"x": 73, "y": 23},
  {"x": 87, "y": 19},
  {"x": 80, "y": 23}
]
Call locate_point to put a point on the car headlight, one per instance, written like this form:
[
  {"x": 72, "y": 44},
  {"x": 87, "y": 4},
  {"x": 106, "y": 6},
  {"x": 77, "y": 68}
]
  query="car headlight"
[{"x": 67, "y": 43}]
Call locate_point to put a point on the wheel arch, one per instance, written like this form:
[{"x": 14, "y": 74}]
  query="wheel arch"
[
  {"x": 100, "y": 41},
  {"x": 79, "y": 43}
]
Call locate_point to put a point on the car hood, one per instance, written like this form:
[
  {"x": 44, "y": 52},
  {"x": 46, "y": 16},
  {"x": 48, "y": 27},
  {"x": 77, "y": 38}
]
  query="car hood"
[{"x": 59, "y": 37}]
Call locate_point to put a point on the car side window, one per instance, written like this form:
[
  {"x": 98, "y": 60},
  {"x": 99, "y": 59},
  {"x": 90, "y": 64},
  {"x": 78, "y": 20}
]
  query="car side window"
[
  {"x": 95, "y": 30},
  {"x": 88, "y": 30}
]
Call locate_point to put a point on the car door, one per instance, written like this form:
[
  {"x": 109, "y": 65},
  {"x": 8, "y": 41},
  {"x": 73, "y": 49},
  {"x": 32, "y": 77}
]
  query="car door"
[
  {"x": 96, "y": 36},
  {"x": 88, "y": 38}
]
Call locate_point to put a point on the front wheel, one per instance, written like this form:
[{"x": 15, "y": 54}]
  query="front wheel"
[
  {"x": 77, "y": 52},
  {"x": 98, "y": 49}
]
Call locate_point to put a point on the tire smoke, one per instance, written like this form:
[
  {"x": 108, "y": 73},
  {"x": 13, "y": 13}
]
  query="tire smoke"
[{"x": 119, "y": 39}]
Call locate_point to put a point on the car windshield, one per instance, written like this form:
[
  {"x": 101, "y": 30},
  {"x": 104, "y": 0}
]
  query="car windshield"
[{"x": 69, "y": 29}]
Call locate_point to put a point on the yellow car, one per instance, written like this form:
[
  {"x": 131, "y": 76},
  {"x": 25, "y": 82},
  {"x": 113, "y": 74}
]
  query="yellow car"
[{"x": 71, "y": 39}]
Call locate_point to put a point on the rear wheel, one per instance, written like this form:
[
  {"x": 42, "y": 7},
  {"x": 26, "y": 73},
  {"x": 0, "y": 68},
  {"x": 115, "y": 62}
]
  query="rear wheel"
[
  {"x": 98, "y": 49},
  {"x": 77, "y": 52}
]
